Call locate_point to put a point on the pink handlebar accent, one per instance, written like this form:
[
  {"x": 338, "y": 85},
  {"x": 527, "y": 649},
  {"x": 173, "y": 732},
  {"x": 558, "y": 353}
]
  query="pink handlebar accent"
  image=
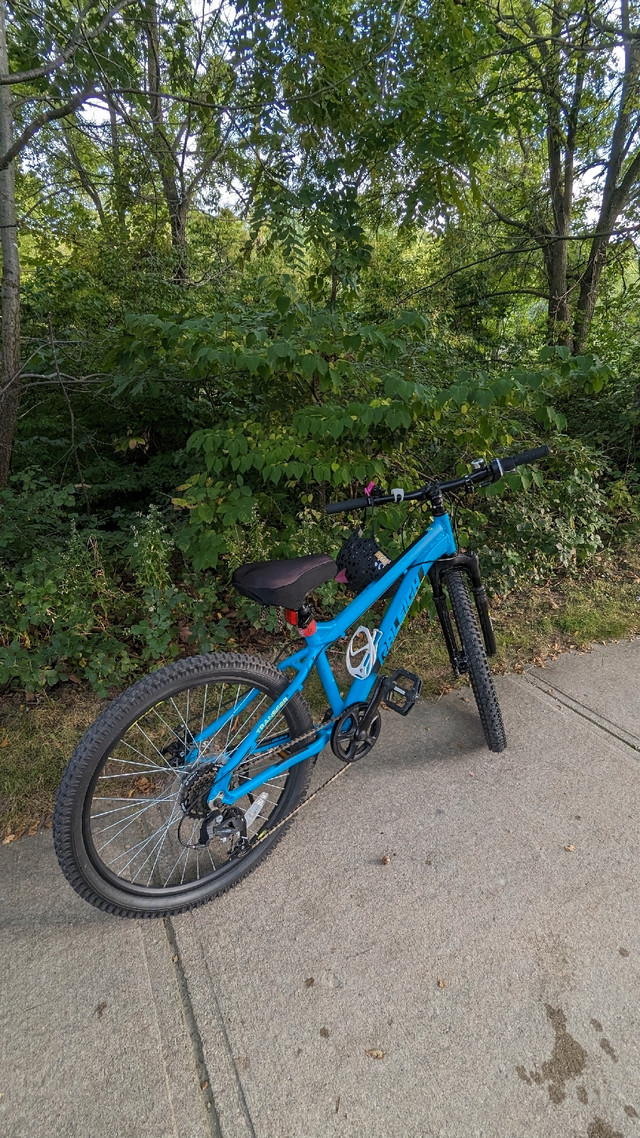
[{"x": 368, "y": 489}]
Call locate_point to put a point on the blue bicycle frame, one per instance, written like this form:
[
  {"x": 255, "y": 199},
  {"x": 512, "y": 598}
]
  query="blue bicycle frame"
[{"x": 410, "y": 569}]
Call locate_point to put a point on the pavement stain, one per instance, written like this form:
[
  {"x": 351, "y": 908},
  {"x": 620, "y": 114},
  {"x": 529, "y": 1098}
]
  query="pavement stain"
[
  {"x": 601, "y": 1129},
  {"x": 567, "y": 1061},
  {"x": 604, "y": 1042},
  {"x": 631, "y": 1112},
  {"x": 608, "y": 1049}
]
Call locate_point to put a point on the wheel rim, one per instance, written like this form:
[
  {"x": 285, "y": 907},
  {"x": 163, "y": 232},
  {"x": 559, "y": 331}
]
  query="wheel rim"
[{"x": 135, "y": 829}]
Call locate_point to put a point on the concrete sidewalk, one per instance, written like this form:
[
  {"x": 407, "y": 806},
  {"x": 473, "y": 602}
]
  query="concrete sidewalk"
[{"x": 486, "y": 981}]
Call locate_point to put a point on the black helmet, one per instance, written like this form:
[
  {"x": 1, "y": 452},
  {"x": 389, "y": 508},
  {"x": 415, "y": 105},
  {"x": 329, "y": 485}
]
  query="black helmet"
[{"x": 360, "y": 561}]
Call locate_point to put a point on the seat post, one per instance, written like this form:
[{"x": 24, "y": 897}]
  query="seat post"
[{"x": 302, "y": 619}]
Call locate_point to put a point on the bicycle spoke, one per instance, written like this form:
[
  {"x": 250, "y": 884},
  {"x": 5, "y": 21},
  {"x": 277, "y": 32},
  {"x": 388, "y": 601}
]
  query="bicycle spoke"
[{"x": 148, "y": 805}]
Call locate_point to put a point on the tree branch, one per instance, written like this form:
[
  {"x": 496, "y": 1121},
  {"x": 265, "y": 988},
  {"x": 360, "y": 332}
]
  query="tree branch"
[
  {"x": 41, "y": 120},
  {"x": 79, "y": 36}
]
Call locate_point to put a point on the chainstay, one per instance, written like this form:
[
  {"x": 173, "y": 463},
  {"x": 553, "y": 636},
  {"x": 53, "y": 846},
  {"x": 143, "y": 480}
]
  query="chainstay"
[
  {"x": 280, "y": 747},
  {"x": 264, "y": 834}
]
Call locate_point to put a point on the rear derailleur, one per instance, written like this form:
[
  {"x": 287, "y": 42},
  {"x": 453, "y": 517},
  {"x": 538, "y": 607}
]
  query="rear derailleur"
[{"x": 226, "y": 824}]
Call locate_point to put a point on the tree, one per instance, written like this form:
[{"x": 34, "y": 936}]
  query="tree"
[
  {"x": 569, "y": 71},
  {"x": 356, "y": 114},
  {"x": 56, "y": 74}
]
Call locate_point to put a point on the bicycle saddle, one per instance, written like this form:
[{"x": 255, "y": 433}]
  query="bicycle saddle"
[{"x": 284, "y": 583}]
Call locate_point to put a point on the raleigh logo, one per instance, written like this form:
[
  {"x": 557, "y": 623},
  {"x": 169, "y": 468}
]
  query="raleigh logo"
[{"x": 384, "y": 645}]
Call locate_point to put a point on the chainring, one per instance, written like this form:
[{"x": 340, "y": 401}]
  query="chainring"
[{"x": 347, "y": 743}]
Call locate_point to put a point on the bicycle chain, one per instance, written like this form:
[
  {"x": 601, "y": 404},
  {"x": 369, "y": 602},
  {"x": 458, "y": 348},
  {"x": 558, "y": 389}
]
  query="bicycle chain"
[{"x": 262, "y": 836}]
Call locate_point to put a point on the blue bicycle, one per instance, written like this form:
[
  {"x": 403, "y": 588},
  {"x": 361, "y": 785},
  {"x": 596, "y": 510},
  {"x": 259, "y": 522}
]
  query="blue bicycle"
[{"x": 191, "y": 776}]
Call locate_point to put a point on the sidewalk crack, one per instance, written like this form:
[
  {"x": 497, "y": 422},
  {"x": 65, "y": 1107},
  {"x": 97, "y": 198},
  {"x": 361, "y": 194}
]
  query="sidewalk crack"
[
  {"x": 193, "y": 1030},
  {"x": 581, "y": 709}
]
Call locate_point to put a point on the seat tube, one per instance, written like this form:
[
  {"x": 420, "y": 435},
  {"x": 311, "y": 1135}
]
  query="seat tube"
[{"x": 329, "y": 684}]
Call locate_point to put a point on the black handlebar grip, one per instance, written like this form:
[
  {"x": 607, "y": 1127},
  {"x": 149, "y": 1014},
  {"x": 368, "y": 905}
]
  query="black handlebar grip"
[
  {"x": 352, "y": 504},
  {"x": 527, "y": 456}
]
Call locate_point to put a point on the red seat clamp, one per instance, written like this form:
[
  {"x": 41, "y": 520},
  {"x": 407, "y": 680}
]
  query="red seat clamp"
[{"x": 309, "y": 630}]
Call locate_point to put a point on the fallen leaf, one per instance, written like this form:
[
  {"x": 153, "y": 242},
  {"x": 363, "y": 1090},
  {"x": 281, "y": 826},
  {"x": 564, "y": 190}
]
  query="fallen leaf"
[
  {"x": 373, "y": 1053},
  {"x": 204, "y": 1084},
  {"x": 385, "y": 859},
  {"x": 324, "y": 1032},
  {"x": 5, "y": 741},
  {"x": 9, "y": 838},
  {"x": 442, "y": 983},
  {"x": 570, "y": 849},
  {"x": 309, "y": 982},
  {"x": 175, "y": 958},
  {"x": 100, "y": 1008}
]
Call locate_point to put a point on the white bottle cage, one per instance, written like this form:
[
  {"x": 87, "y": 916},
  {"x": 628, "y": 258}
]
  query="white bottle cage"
[{"x": 361, "y": 660}]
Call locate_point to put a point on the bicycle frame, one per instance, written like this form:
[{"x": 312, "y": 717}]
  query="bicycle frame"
[{"x": 410, "y": 569}]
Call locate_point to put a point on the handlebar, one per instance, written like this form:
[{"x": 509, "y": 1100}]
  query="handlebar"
[
  {"x": 483, "y": 476},
  {"x": 523, "y": 459}
]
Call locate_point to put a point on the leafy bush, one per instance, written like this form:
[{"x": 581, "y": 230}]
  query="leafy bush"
[{"x": 65, "y": 614}]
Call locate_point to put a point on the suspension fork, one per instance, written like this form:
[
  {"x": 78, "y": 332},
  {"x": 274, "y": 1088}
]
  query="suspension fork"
[{"x": 468, "y": 563}]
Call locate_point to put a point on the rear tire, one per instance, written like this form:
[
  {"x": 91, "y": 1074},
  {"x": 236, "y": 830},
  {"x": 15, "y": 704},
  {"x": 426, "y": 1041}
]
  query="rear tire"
[
  {"x": 120, "y": 821},
  {"x": 479, "y": 674}
]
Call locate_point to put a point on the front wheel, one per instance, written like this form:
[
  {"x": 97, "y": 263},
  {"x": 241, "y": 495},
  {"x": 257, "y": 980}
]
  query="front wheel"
[
  {"x": 132, "y": 803},
  {"x": 479, "y": 674}
]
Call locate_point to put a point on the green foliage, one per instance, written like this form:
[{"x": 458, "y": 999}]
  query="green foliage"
[
  {"x": 67, "y": 613},
  {"x": 197, "y": 386},
  {"x": 322, "y": 404}
]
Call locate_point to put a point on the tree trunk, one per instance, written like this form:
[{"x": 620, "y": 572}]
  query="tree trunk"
[
  {"x": 618, "y": 186},
  {"x": 588, "y": 293},
  {"x": 176, "y": 199},
  {"x": 560, "y": 159},
  {"x": 10, "y": 375}
]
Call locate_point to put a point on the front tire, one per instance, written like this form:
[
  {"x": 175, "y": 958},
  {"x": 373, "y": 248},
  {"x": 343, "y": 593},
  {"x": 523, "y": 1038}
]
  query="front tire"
[
  {"x": 130, "y": 806},
  {"x": 479, "y": 674}
]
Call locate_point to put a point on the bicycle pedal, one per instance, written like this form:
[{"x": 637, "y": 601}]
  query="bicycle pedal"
[{"x": 401, "y": 691}]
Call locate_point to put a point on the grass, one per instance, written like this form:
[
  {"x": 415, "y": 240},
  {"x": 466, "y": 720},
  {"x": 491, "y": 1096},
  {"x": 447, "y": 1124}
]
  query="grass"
[{"x": 37, "y": 735}]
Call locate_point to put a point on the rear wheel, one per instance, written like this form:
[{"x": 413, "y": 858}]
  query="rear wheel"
[
  {"x": 479, "y": 674},
  {"x": 130, "y": 810}
]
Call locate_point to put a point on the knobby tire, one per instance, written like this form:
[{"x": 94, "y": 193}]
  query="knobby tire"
[
  {"x": 473, "y": 645},
  {"x": 152, "y": 790}
]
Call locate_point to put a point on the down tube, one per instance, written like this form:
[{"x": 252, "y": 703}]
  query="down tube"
[{"x": 396, "y": 612}]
